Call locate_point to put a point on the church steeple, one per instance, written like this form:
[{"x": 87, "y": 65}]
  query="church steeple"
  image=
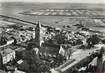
[{"x": 37, "y": 33}]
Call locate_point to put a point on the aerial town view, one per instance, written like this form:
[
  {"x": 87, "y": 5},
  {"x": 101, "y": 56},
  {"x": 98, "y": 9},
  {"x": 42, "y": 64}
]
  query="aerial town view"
[{"x": 46, "y": 37}]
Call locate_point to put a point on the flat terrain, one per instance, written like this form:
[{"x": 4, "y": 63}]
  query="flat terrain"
[
  {"x": 66, "y": 12},
  {"x": 14, "y": 10}
]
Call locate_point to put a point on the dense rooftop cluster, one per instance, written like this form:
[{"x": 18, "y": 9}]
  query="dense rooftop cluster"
[{"x": 20, "y": 51}]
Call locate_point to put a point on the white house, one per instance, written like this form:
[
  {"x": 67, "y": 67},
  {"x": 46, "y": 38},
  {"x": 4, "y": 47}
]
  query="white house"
[{"x": 8, "y": 55}]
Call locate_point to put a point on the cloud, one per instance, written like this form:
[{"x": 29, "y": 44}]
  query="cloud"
[{"x": 68, "y": 1}]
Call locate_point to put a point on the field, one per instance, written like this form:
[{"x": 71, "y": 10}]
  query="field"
[
  {"x": 15, "y": 10},
  {"x": 66, "y": 12}
]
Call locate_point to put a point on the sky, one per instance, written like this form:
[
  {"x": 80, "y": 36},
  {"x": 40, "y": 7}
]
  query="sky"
[{"x": 58, "y": 1}]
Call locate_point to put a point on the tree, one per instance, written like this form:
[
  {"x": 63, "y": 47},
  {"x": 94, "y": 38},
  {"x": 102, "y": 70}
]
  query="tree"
[
  {"x": 103, "y": 41},
  {"x": 1, "y": 62},
  {"x": 3, "y": 40},
  {"x": 94, "y": 39},
  {"x": 34, "y": 62},
  {"x": 31, "y": 58}
]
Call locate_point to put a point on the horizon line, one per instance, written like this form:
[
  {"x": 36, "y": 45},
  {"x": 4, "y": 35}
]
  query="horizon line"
[{"x": 49, "y": 2}]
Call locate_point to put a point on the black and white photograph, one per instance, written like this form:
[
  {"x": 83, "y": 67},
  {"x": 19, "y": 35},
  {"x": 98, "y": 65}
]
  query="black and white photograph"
[{"x": 52, "y": 36}]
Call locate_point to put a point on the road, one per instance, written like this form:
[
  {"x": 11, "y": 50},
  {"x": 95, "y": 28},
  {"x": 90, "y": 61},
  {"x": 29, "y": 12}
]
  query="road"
[{"x": 78, "y": 58}]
